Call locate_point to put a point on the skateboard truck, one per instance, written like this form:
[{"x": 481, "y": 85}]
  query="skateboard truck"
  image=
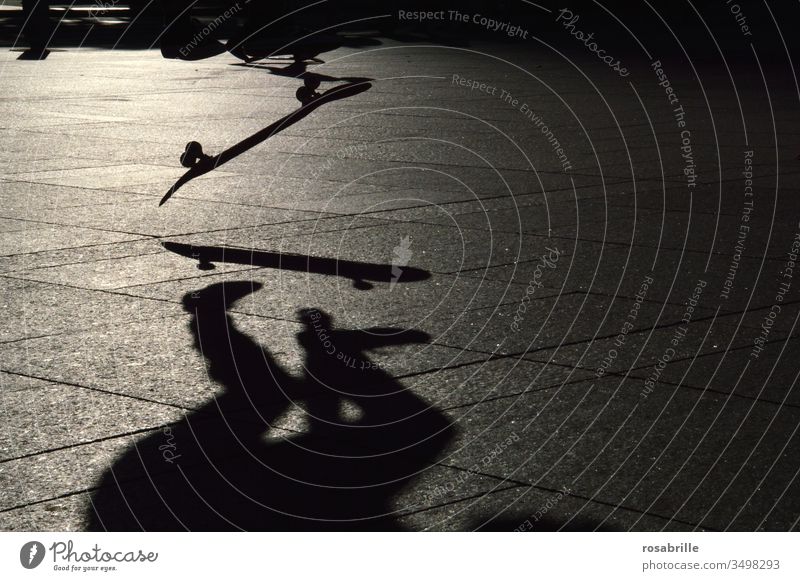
[
  {"x": 205, "y": 264},
  {"x": 308, "y": 92},
  {"x": 193, "y": 154}
]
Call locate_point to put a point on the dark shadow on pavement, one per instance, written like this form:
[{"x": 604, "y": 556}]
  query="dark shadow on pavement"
[
  {"x": 529, "y": 524},
  {"x": 32, "y": 54},
  {"x": 225, "y": 467},
  {"x": 299, "y": 70}
]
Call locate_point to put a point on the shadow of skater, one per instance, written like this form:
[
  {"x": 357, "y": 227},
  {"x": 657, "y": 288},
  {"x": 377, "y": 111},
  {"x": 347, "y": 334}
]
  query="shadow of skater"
[{"x": 221, "y": 468}]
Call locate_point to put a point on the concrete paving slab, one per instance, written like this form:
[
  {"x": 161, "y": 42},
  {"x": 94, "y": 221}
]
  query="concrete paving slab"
[
  {"x": 63, "y": 514},
  {"x": 529, "y": 509},
  {"x": 57, "y": 237},
  {"x": 697, "y": 447},
  {"x": 53, "y": 310},
  {"x": 24, "y": 200},
  {"x": 647, "y": 348},
  {"x": 37, "y": 413},
  {"x": 32, "y": 262},
  {"x": 736, "y": 371}
]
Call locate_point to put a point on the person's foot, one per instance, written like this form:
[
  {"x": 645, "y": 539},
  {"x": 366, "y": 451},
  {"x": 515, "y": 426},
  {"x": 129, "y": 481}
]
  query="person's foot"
[{"x": 35, "y": 53}]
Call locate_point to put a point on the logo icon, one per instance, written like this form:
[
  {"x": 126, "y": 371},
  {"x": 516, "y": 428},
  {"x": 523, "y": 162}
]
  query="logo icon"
[
  {"x": 31, "y": 555},
  {"x": 402, "y": 255}
]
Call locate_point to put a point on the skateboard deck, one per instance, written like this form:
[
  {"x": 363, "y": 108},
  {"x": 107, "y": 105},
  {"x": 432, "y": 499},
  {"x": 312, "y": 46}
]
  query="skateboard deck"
[
  {"x": 200, "y": 163},
  {"x": 359, "y": 272}
]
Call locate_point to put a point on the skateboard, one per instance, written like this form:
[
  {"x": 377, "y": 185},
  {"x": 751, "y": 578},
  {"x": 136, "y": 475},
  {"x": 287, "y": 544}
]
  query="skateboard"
[
  {"x": 200, "y": 163},
  {"x": 359, "y": 272}
]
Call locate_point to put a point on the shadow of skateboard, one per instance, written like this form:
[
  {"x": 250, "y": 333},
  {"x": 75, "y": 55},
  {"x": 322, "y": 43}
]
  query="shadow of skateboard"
[{"x": 361, "y": 273}]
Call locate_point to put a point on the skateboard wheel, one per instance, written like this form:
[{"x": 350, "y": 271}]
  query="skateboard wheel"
[
  {"x": 192, "y": 154},
  {"x": 312, "y": 82},
  {"x": 305, "y": 95}
]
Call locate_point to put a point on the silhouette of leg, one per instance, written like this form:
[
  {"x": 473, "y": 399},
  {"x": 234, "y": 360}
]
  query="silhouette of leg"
[
  {"x": 37, "y": 24},
  {"x": 180, "y": 40}
]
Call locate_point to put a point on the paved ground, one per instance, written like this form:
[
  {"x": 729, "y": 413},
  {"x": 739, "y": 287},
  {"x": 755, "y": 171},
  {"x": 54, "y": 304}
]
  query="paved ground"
[{"x": 595, "y": 333}]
